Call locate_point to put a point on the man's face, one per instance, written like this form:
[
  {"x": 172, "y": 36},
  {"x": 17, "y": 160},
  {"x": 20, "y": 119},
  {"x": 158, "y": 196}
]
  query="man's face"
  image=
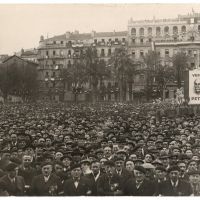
[
  {"x": 192, "y": 166},
  {"x": 182, "y": 167},
  {"x": 66, "y": 162},
  {"x": 95, "y": 167},
  {"x": 13, "y": 137},
  {"x": 76, "y": 173},
  {"x": 27, "y": 161},
  {"x": 13, "y": 173},
  {"x": 174, "y": 175},
  {"x": 133, "y": 157},
  {"x": 109, "y": 170},
  {"x": 160, "y": 174},
  {"x": 194, "y": 179},
  {"x": 6, "y": 156},
  {"x": 130, "y": 166},
  {"x": 46, "y": 170},
  {"x": 58, "y": 168},
  {"x": 107, "y": 151},
  {"x": 148, "y": 158},
  {"x": 139, "y": 176},
  {"x": 119, "y": 164}
]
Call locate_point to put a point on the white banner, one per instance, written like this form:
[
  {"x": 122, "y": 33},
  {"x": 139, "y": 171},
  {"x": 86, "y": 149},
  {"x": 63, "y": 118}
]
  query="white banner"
[{"x": 194, "y": 87}]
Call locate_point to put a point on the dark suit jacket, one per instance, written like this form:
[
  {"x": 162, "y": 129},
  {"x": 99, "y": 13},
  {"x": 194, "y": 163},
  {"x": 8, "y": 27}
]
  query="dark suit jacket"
[
  {"x": 40, "y": 188},
  {"x": 105, "y": 185},
  {"x": 83, "y": 189},
  {"x": 93, "y": 182},
  {"x": 14, "y": 189},
  {"x": 125, "y": 176},
  {"x": 183, "y": 189},
  {"x": 146, "y": 188}
]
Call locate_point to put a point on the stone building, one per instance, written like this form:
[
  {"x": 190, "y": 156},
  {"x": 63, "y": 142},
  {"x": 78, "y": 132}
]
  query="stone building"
[
  {"x": 167, "y": 37},
  {"x": 62, "y": 51}
]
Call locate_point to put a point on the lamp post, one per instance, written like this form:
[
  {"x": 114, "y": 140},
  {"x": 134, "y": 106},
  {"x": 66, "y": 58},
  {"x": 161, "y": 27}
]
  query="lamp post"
[{"x": 76, "y": 89}]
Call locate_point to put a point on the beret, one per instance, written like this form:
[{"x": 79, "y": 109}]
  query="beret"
[
  {"x": 74, "y": 166},
  {"x": 85, "y": 161},
  {"x": 173, "y": 168},
  {"x": 140, "y": 169},
  {"x": 194, "y": 172},
  {"x": 109, "y": 163},
  {"x": 46, "y": 163},
  {"x": 11, "y": 167},
  {"x": 161, "y": 169}
]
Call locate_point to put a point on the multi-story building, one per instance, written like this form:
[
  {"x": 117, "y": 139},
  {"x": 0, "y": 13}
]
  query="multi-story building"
[
  {"x": 168, "y": 37},
  {"x": 62, "y": 51}
]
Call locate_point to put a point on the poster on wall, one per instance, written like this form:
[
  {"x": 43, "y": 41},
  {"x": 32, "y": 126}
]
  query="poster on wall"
[{"x": 194, "y": 87}]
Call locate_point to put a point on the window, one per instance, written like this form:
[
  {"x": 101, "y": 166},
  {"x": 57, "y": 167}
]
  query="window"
[
  {"x": 183, "y": 29},
  {"x": 133, "y": 53},
  {"x": 54, "y": 84},
  {"x": 133, "y": 41},
  {"x": 54, "y": 53},
  {"x": 102, "y": 52},
  {"x": 47, "y": 73},
  {"x": 103, "y": 41},
  {"x": 199, "y": 28},
  {"x": 95, "y": 41},
  {"x": 123, "y": 39},
  {"x": 47, "y": 53},
  {"x": 149, "y": 31},
  {"x": 175, "y": 30},
  {"x": 133, "y": 31},
  {"x": 141, "y": 41},
  {"x": 141, "y": 31},
  {"x": 109, "y": 52},
  {"x": 166, "y": 30},
  {"x": 150, "y": 40},
  {"x": 54, "y": 74},
  {"x": 166, "y": 52},
  {"x": 54, "y": 62},
  {"x": 54, "y": 42},
  {"x": 69, "y": 63},
  {"x": 61, "y": 42},
  {"x": 69, "y": 52},
  {"x": 141, "y": 53},
  {"x": 158, "y": 31}
]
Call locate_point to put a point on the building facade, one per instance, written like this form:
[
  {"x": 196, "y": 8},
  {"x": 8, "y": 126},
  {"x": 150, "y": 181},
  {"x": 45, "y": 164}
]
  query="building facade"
[
  {"x": 167, "y": 37},
  {"x": 59, "y": 52}
]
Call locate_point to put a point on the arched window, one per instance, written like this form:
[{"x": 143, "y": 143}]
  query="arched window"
[
  {"x": 149, "y": 31},
  {"x": 133, "y": 31},
  {"x": 141, "y": 31},
  {"x": 183, "y": 29},
  {"x": 102, "y": 52},
  {"x": 158, "y": 31},
  {"x": 175, "y": 30},
  {"x": 166, "y": 30}
]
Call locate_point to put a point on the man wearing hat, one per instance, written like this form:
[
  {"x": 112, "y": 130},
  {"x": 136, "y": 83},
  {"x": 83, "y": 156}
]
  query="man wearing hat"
[
  {"x": 120, "y": 169},
  {"x": 13, "y": 183},
  {"x": 194, "y": 179},
  {"x": 95, "y": 175},
  {"x": 174, "y": 186},
  {"x": 77, "y": 185},
  {"x": 139, "y": 186},
  {"x": 47, "y": 183},
  {"x": 109, "y": 184},
  {"x": 27, "y": 171}
]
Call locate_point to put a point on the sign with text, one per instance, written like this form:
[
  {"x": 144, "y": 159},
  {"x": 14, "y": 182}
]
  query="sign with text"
[{"x": 194, "y": 86}]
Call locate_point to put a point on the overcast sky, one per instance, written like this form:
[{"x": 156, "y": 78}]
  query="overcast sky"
[{"x": 22, "y": 25}]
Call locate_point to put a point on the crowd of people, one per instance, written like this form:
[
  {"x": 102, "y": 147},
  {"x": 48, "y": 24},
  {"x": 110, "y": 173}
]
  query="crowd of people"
[{"x": 98, "y": 150}]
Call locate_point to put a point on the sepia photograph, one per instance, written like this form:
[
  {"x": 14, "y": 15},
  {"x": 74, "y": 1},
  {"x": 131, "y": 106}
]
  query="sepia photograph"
[{"x": 99, "y": 99}]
